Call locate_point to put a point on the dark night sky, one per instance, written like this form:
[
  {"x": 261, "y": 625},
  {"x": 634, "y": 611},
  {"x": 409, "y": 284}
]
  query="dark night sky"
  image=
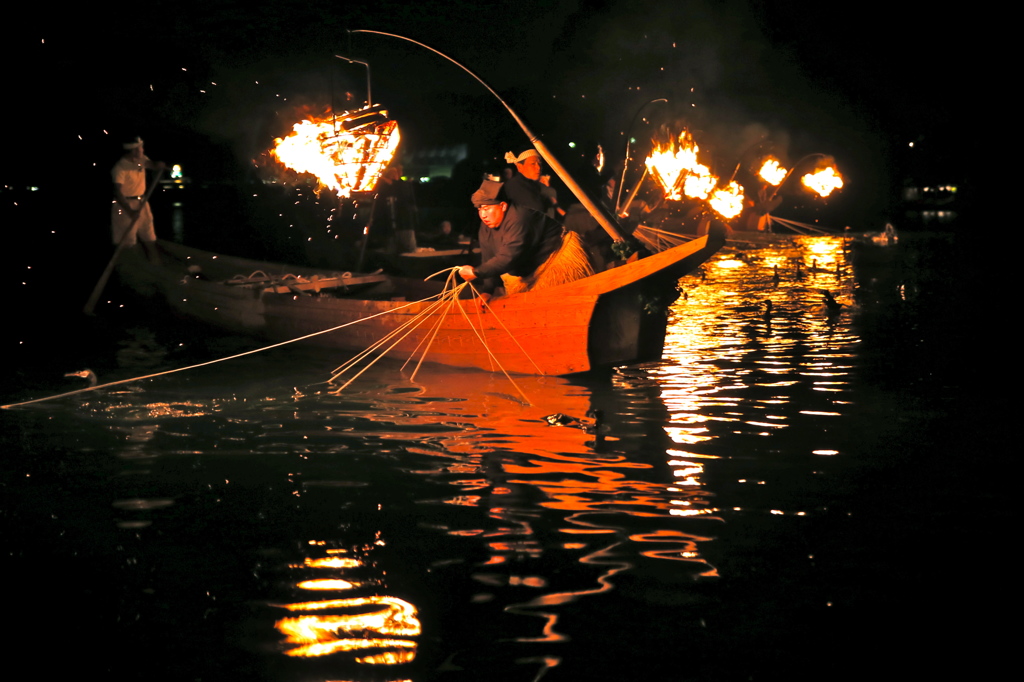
[{"x": 210, "y": 83}]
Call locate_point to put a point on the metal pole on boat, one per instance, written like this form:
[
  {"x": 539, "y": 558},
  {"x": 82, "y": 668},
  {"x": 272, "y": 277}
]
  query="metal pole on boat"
[
  {"x": 369, "y": 95},
  {"x": 792, "y": 171},
  {"x": 632, "y": 195},
  {"x": 619, "y": 209},
  {"x": 545, "y": 153},
  {"x": 366, "y": 235}
]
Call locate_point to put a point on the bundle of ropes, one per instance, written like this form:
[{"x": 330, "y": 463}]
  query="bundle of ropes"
[{"x": 659, "y": 240}]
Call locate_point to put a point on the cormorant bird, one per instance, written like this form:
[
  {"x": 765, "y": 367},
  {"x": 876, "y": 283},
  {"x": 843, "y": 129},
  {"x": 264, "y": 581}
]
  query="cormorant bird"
[
  {"x": 592, "y": 426},
  {"x": 86, "y": 374},
  {"x": 831, "y": 304}
]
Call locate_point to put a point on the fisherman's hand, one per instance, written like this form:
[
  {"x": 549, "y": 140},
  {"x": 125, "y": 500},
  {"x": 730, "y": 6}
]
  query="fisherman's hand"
[{"x": 467, "y": 273}]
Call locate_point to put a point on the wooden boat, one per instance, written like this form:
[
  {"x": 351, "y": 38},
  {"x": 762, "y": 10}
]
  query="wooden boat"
[
  {"x": 614, "y": 317},
  {"x": 424, "y": 262}
]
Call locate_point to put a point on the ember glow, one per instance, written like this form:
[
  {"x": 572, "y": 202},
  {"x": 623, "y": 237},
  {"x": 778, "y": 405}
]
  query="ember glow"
[
  {"x": 823, "y": 181},
  {"x": 343, "y": 160},
  {"x": 677, "y": 170},
  {"x": 772, "y": 173},
  {"x": 727, "y": 201}
]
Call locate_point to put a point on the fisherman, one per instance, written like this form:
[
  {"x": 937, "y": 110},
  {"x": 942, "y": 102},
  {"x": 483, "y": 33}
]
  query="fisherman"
[
  {"x": 129, "y": 209},
  {"x": 550, "y": 197},
  {"x": 523, "y": 189},
  {"x": 394, "y": 212},
  {"x": 513, "y": 241}
]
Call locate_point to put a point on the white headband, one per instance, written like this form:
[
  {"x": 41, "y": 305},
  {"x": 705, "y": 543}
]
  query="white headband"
[
  {"x": 134, "y": 144},
  {"x": 511, "y": 158}
]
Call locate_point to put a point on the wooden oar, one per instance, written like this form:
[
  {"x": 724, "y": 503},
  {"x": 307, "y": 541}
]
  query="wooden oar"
[{"x": 94, "y": 297}]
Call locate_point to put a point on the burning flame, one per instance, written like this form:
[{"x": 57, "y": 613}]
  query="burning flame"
[
  {"x": 823, "y": 181},
  {"x": 728, "y": 201},
  {"x": 344, "y": 157},
  {"x": 772, "y": 173},
  {"x": 677, "y": 170}
]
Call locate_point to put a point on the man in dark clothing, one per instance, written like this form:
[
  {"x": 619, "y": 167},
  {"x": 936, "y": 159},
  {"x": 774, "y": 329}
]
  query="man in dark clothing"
[
  {"x": 523, "y": 190},
  {"x": 512, "y": 241}
]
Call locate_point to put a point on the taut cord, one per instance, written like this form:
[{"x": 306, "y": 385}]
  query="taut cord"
[{"x": 212, "y": 362}]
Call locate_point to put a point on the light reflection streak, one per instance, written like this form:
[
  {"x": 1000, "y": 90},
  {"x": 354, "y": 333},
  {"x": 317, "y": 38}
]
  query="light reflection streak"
[
  {"x": 377, "y": 627},
  {"x": 725, "y": 366},
  {"x": 326, "y": 585}
]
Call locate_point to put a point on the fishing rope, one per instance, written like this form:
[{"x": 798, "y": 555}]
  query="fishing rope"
[
  {"x": 212, "y": 362},
  {"x": 659, "y": 240},
  {"x": 437, "y": 325},
  {"x": 406, "y": 327},
  {"x": 413, "y": 323},
  {"x": 496, "y": 319},
  {"x": 445, "y": 300},
  {"x": 797, "y": 226}
]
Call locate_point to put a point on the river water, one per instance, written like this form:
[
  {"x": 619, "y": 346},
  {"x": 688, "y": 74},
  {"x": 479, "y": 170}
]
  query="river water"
[{"x": 780, "y": 497}]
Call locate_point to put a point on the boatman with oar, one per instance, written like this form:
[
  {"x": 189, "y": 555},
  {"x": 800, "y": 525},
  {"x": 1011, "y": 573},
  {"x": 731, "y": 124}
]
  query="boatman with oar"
[
  {"x": 130, "y": 209},
  {"x": 519, "y": 247}
]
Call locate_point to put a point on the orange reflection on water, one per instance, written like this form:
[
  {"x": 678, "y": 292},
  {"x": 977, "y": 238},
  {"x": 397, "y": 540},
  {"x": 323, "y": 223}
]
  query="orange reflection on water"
[
  {"x": 332, "y": 562},
  {"x": 682, "y": 547},
  {"x": 754, "y": 334},
  {"x": 334, "y": 584},
  {"x": 376, "y": 626}
]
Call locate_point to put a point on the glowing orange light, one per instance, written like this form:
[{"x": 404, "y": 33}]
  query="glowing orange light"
[
  {"x": 677, "y": 170},
  {"x": 771, "y": 172},
  {"x": 727, "y": 201},
  {"x": 391, "y": 618},
  {"x": 824, "y": 181},
  {"x": 343, "y": 160},
  {"x": 332, "y": 562},
  {"x": 324, "y": 584}
]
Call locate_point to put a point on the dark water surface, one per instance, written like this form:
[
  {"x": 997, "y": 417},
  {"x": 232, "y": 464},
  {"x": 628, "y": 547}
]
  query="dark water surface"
[{"x": 781, "y": 498}]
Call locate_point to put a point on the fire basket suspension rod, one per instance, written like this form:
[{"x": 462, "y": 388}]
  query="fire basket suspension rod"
[
  {"x": 619, "y": 209},
  {"x": 534, "y": 140},
  {"x": 793, "y": 170},
  {"x": 369, "y": 94}
]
